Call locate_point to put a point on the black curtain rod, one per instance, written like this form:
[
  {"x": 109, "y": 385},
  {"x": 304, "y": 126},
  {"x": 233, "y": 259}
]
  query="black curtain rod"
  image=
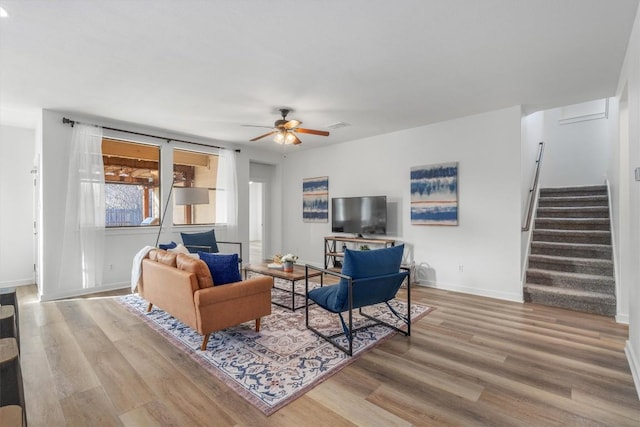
[{"x": 73, "y": 122}]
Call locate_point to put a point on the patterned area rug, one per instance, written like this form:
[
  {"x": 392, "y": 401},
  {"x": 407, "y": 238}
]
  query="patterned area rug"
[{"x": 284, "y": 360}]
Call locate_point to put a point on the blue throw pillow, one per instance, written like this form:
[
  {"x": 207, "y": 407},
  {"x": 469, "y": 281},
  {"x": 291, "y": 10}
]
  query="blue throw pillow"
[
  {"x": 205, "y": 241},
  {"x": 167, "y": 246},
  {"x": 223, "y": 267}
]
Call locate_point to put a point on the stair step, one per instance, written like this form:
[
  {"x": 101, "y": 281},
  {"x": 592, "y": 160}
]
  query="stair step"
[
  {"x": 573, "y": 212},
  {"x": 584, "y": 301},
  {"x": 576, "y": 281},
  {"x": 572, "y": 250},
  {"x": 602, "y": 224},
  {"x": 574, "y": 191},
  {"x": 573, "y": 201},
  {"x": 572, "y": 236},
  {"x": 601, "y": 267}
]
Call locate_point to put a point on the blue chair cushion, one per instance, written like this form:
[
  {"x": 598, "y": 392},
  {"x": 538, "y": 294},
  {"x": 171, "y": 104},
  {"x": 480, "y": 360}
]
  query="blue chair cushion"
[
  {"x": 224, "y": 268},
  {"x": 325, "y": 297},
  {"x": 166, "y": 246},
  {"x": 377, "y": 262},
  {"x": 376, "y": 275},
  {"x": 205, "y": 241},
  {"x": 366, "y": 291}
]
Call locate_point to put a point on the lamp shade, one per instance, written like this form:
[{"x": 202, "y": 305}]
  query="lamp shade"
[{"x": 191, "y": 195}]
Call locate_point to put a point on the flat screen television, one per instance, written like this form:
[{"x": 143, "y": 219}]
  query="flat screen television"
[{"x": 359, "y": 215}]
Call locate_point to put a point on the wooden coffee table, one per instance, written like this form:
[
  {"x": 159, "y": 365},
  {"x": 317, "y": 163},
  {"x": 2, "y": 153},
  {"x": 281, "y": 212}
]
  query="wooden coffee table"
[{"x": 298, "y": 273}]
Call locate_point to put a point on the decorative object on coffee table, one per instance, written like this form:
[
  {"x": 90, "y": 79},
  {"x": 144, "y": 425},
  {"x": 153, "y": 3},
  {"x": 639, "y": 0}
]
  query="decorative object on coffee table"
[{"x": 287, "y": 262}]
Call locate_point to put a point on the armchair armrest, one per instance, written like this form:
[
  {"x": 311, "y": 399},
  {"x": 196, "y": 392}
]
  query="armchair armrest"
[
  {"x": 234, "y": 243},
  {"x": 308, "y": 267},
  {"x": 230, "y": 291}
]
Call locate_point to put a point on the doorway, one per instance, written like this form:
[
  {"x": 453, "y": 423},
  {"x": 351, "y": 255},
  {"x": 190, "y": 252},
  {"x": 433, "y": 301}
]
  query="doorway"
[
  {"x": 256, "y": 222},
  {"x": 261, "y": 193}
]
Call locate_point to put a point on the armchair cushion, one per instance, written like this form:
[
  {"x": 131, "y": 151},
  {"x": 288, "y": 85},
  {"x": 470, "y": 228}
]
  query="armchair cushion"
[
  {"x": 205, "y": 241},
  {"x": 224, "y": 268},
  {"x": 371, "y": 271},
  {"x": 377, "y": 262},
  {"x": 361, "y": 264}
]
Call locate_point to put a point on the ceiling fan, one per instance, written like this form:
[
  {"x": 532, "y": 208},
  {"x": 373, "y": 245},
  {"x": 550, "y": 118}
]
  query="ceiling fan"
[{"x": 285, "y": 130}]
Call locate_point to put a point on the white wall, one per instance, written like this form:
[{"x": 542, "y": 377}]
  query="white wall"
[
  {"x": 576, "y": 153},
  {"x": 532, "y": 135},
  {"x": 16, "y": 206},
  {"x": 486, "y": 243},
  {"x": 121, "y": 244},
  {"x": 627, "y": 193}
]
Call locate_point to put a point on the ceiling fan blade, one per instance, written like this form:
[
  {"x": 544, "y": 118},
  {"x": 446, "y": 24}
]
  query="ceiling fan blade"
[
  {"x": 312, "y": 131},
  {"x": 296, "y": 140},
  {"x": 257, "y": 126},
  {"x": 262, "y": 136},
  {"x": 292, "y": 123}
]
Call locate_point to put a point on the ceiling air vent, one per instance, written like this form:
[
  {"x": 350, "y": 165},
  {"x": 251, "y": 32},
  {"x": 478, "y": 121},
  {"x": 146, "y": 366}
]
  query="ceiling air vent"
[{"x": 338, "y": 125}]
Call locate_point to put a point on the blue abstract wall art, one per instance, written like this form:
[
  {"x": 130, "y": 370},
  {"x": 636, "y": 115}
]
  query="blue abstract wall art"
[
  {"x": 315, "y": 199},
  {"x": 434, "y": 194}
]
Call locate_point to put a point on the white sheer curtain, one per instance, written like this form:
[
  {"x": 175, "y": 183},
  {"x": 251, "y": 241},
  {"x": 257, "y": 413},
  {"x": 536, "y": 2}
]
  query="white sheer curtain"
[
  {"x": 227, "y": 194},
  {"x": 83, "y": 238}
]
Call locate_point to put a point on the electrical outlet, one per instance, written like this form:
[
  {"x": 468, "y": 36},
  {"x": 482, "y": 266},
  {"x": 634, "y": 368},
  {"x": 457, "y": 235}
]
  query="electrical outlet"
[
  {"x": 110, "y": 267},
  {"x": 461, "y": 268}
]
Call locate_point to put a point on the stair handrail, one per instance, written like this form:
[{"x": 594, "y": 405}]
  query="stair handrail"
[{"x": 534, "y": 188}]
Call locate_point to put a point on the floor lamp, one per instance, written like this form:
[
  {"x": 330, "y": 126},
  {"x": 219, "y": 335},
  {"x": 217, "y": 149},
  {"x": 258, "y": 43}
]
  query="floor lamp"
[{"x": 185, "y": 196}]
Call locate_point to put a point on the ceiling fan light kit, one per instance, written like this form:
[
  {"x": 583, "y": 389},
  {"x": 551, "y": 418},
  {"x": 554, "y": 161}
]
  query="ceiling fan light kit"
[{"x": 284, "y": 129}]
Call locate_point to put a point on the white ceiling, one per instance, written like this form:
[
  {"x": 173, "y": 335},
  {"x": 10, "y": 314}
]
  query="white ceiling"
[{"x": 207, "y": 67}]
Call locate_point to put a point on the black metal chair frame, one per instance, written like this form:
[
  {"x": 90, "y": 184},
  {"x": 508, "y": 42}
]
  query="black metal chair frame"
[{"x": 348, "y": 330}]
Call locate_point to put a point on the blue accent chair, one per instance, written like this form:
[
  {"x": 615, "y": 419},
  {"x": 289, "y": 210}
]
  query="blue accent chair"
[{"x": 367, "y": 278}]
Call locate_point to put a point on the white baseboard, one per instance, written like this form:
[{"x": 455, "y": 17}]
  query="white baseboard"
[
  {"x": 79, "y": 292},
  {"x": 507, "y": 296},
  {"x": 622, "y": 318},
  {"x": 634, "y": 364}
]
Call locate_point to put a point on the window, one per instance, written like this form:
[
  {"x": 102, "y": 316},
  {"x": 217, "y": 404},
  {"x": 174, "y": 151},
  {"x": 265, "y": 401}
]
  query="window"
[
  {"x": 194, "y": 188},
  {"x": 132, "y": 183}
]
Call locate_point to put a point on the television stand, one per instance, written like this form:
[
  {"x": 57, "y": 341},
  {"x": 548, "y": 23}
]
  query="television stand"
[{"x": 333, "y": 253}]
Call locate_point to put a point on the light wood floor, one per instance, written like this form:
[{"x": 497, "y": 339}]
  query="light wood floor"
[{"x": 473, "y": 361}]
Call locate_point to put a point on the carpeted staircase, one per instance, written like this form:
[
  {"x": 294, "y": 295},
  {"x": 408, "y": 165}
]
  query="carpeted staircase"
[{"x": 570, "y": 262}]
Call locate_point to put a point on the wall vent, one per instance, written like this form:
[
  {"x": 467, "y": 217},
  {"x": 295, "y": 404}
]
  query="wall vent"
[{"x": 338, "y": 125}]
